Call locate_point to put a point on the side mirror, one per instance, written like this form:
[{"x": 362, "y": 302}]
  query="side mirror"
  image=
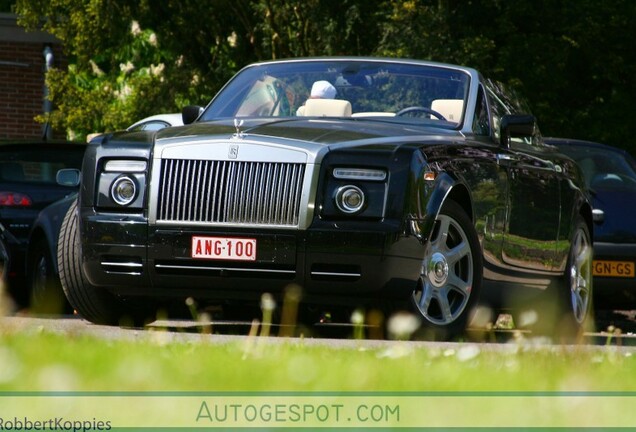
[
  {"x": 516, "y": 126},
  {"x": 190, "y": 113},
  {"x": 68, "y": 177}
]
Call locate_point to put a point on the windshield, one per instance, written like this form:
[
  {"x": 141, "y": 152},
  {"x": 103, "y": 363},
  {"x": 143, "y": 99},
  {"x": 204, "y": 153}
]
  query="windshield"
[
  {"x": 603, "y": 169},
  {"x": 345, "y": 89}
]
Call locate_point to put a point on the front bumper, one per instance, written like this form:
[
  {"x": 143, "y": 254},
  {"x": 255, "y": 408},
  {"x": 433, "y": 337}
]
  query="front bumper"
[{"x": 353, "y": 261}]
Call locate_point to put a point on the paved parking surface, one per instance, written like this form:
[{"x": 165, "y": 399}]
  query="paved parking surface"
[{"x": 616, "y": 328}]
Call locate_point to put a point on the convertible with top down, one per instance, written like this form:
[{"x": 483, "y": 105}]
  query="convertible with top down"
[{"x": 411, "y": 184}]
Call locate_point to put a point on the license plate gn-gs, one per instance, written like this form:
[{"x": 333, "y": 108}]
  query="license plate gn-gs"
[{"x": 607, "y": 268}]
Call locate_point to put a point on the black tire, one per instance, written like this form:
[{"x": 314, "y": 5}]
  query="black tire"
[
  {"x": 95, "y": 304},
  {"x": 451, "y": 277},
  {"x": 45, "y": 289}
]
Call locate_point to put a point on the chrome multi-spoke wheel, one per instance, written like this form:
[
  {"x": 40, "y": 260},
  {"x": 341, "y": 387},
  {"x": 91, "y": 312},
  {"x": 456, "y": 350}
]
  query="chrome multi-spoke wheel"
[
  {"x": 581, "y": 275},
  {"x": 576, "y": 295},
  {"x": 451, "y": 271},
  {"x": 565, "y": 310}
]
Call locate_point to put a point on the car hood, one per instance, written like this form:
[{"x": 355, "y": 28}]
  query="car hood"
[
  {"x": 318, "y": 131},
  {"x": 619, "y": 207}
]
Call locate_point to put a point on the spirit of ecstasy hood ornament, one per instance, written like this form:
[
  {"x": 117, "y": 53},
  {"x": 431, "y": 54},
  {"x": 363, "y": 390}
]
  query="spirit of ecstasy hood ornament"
[{"x": 237, "y": 124}]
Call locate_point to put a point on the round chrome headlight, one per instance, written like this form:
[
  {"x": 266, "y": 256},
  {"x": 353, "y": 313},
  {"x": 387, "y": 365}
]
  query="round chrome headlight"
[
  {"x": 123, "y": 191},
  {"x": 350, "y": 199}
]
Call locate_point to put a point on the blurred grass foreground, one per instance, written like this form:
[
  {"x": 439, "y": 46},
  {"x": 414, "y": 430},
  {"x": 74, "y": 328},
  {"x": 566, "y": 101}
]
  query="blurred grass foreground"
[
  {"x": 195, "y": 380},
  {"x": 150, "y": 360},
  {"x": 189, "y": 381},
  {"x": 35, "y": 358}
]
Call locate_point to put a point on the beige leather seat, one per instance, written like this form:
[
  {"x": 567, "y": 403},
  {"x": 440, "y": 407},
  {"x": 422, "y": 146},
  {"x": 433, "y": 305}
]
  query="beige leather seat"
[
  {"x": 325, "y": 108},
  {"x": 451, "y": 109}
]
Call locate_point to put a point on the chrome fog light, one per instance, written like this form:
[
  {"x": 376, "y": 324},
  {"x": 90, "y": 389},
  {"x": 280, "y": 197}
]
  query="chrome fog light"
[
  {"x": 123, "y": 191},
  {"x": 350, "y": 199}
]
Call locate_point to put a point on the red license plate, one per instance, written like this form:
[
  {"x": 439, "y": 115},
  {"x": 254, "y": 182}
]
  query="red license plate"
[{"x": 224, "y": 248}]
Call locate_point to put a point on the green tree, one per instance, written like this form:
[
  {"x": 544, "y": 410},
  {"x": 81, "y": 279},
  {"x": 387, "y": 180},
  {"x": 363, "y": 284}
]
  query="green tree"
[
  {"x": 572, "y": 59},
  {"x": 133, "y": 59},
  {"x": 128, "y": 61},
  {"x": 318, "y": 27}
]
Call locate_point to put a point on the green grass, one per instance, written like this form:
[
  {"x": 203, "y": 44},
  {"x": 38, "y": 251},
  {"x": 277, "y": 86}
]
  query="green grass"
[{"x": 42, "y": 361}]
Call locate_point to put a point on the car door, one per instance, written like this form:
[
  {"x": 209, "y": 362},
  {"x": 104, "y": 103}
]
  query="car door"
[
  {"x": 533, "y": 211},
  {"x": 530, "y": 238}
]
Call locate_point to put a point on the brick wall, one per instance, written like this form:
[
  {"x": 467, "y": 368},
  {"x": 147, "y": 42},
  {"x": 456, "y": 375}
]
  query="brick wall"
[{"x": 22, "y": 66}]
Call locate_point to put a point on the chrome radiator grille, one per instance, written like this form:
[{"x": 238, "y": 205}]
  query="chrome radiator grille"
[{"x": 232, "y": 192}]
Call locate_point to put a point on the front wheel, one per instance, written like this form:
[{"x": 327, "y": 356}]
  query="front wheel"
[
  {"x": 450, "y": 278},
  {"x": 95, "y": 304}
]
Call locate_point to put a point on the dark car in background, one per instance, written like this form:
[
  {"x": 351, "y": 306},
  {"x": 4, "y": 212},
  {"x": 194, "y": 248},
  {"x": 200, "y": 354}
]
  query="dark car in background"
[
  {"x": 42, "y": 274},
  {"x": 610, "y": 175},
  {"x": 4, "y": 260},
  {"x": 408, "y": 184},
  {"x": 28, "y": 172}
]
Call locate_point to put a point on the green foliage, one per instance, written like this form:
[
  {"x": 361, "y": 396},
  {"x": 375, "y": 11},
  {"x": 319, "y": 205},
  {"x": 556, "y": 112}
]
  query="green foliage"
[
  {"x": 572, "y": 59},
  {"x": 315, "y": 27},
  {"x": 121, "y": 71},
  {"x": 94, "y": 100}
]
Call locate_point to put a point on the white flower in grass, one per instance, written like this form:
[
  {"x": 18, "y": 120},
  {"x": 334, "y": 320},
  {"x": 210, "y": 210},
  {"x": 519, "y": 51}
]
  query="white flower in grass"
[
  {"x": 467, "y": 352},
  {"x": 399, "y": 350},
  {"x": 11, "y": 365},
  {"x": 357, "y": 317},
  {"x": 402, "y": 325},
  {"x": 58, "y": 377},
  {"x": 267, "y": 302}
]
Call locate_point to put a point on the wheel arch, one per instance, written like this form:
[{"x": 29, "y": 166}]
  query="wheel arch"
[
  {"x": 446, "y": 187},
  {"x": 459, "y": 193},
  {"x": 38, "y": 234},
  {"x": 586, "y": 213}
]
